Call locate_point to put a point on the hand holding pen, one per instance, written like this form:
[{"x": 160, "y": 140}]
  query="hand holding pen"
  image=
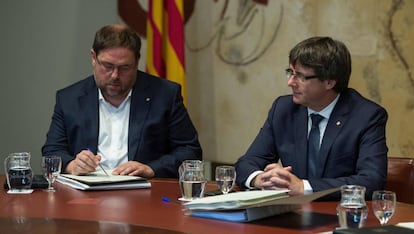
[
  {"x": 84, "y": 163},
  {"x": 99, "y": 163}
]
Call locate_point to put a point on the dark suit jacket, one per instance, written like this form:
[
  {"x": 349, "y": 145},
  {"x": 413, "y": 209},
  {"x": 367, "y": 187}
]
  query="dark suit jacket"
[
  {"x": 353, "y": 149},
  {"x": 161, "y": 133}
]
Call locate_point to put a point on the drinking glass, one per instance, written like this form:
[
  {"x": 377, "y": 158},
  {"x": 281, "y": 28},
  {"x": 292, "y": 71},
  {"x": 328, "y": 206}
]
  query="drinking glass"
[
  {"x": 225, "y": 177},
  {"x": 383, "y": 205},
  {"x": 51, "y": 166}
]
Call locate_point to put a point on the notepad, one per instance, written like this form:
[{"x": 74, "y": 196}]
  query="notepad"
[{"x": 98, "y": 180}]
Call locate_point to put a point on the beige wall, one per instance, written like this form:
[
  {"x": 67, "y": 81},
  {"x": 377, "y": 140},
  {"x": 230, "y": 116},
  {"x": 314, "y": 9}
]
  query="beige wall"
[{"x": 229, "y": 102}]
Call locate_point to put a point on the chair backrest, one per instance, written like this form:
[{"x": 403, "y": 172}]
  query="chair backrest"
[{"x": 401, "y": 178}]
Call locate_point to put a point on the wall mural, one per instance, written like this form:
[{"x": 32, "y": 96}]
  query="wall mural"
[
  {"x": 231, "y": 32},
  {"x": 228, "y": 29},
  {"x": 240, "y": 33},
  {"x": 394, "y": 39}
]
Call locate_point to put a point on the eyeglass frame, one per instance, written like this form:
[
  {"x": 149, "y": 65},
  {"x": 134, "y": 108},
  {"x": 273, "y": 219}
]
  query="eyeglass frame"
[
  {"x": 298, "y": 76},
  {"x": 110, "y": 68}
]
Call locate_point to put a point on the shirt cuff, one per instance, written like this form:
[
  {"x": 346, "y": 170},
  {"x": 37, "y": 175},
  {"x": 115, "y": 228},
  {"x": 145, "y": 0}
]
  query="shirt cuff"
[
  {"x": 250, "y": 178},
  {"x": 307, "y": 188}
]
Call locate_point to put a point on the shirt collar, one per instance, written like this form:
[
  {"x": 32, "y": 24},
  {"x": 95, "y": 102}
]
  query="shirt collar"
[
  {"x": 325, "y": 112},
  {"x": 102, "y": 99}
]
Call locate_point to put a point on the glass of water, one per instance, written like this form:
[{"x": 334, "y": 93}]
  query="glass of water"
[
  {"x": 352, "y": 210},
  {"x": 383, "y": 205},
  {"x": 51, "y": 167},
  {"x": 225, "y": 177},
  {"x": 19, "y": 172},
  {"x": 192, "y": 180}
]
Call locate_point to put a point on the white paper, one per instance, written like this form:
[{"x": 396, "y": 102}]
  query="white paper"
[
  {"x": 98, "y": 180},
  {"x": 409, "y": 225},
  {"x": 99, "y": 177},
  {"x": 250, "y": 199},
  {"x": 236, "y": 199},
  {"x": 25, "y": 191}
]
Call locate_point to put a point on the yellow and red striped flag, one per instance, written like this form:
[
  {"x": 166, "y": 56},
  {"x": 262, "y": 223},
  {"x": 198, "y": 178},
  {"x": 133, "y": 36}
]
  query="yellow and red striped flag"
[{"x": 165, "y": 40}]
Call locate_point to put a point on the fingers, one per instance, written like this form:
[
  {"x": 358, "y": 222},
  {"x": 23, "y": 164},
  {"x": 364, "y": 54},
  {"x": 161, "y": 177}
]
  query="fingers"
[
  {"x": 98, "y": 158},
  {"x": 277, "y": 166},
  {"x": 276, "y": 177},
  {"x": 296, "y": 186},
  {"x": 85, "y": 162},
  {"x": 272, "y": 166},
  {"x": 278, "y": 172},
  {"x": 282, "y": 178},
  {"x": 276, "y": 182},
  {"x": 134, "y": 168}
]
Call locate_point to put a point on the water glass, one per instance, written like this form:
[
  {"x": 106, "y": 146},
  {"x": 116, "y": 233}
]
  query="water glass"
[
  {"x": 383, "y": 205},
  {"x": 51, "y": 167},
  {"x": 225, "y": 177}
]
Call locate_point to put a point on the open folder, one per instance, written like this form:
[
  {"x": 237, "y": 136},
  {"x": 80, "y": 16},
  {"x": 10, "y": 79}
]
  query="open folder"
[
  {"x": 98, "y": 180},
  {"x": 246, "y": 206}
]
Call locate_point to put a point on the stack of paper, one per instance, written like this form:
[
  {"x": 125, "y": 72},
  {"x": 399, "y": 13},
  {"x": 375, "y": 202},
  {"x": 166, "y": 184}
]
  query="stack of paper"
[
  {"x": 236, "y": 200},
  {"x": 247, "y": 206},
  {"x": 100, "y": 181}
]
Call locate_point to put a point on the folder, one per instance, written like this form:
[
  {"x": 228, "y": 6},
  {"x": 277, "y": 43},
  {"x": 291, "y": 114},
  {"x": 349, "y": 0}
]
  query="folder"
[
  {"x": 246, "y": 206},
  {"x": 100, "y": 181},
  {"x": 244, "y": 215}
]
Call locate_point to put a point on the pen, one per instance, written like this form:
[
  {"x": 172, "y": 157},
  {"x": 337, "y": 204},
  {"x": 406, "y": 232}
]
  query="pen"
[
  {"x": 99, "y": 164},
  {"x": 168, "y": 200}
]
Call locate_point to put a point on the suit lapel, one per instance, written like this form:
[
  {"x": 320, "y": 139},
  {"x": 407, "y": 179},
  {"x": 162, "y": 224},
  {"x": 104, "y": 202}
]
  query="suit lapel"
[
  {"x": 89, "y": 106},
  {"x": 141, "y": 99},
  {"x": 301, "y": 127},
  {"x": 333, "y": 128}
]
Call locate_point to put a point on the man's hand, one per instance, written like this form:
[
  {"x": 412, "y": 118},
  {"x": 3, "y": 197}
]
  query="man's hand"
[
  {"x": 134, "y": 168},
  {"x": 84, "y": 163},
  {"x": 278, "y": 177}
]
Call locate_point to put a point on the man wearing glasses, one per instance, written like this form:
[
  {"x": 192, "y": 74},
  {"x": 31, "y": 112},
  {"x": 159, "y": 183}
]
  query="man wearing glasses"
[
  {"x": 121, "y": 118},
  {"x": 324, "y": 134}
]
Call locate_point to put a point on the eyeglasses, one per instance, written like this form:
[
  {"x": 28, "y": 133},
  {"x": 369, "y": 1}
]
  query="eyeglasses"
[
  {"x": 298, "y": 76},
  {"x": 110, "y": 68}
]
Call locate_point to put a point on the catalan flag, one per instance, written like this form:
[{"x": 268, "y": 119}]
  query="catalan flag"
[{"x": 165, "y": 40}]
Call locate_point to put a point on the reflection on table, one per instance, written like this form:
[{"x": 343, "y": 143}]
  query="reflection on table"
[
  {"x": 49, "y": 225},
  {"x": 143, "y": 210}
]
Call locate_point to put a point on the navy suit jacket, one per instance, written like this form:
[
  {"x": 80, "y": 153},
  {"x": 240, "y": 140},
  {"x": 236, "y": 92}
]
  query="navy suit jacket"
[
  {"x": 161, "y": 133},
  {"x": 353, "y": 148}
]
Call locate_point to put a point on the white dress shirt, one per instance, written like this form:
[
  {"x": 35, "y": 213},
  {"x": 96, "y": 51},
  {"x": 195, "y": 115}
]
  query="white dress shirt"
[{"x": 113, "y": 132}]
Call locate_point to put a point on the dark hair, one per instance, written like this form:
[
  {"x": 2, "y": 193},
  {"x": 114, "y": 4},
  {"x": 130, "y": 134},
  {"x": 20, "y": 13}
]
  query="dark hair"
[
  {"x": 112, "y": 36},
  {"x": 330, "y": 59}
]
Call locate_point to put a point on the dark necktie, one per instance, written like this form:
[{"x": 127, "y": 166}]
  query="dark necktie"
[{"x": 313, "y": 145}]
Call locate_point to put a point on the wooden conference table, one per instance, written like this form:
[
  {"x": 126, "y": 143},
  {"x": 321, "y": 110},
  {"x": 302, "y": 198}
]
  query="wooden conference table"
[{"x": 143, "y": 211}]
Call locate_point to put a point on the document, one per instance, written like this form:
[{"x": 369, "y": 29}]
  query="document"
[
  {"x": 409, "y": 225},
  {"x": 375, "y": 230},
  {"x": 98, "y": 180},
  {"x": 236, "y": 200},
  {"x": 245, "y": 206}
]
